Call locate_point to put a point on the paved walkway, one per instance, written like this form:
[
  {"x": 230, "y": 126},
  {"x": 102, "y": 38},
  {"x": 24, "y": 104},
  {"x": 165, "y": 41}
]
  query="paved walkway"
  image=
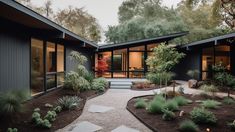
[{"x": 117, "y": 99}]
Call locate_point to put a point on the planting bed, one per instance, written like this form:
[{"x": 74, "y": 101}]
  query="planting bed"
[
  {"x": 145, "y": 86},
  {"x": 23, "y": 121},
  {"x": 224, "y": 114}
]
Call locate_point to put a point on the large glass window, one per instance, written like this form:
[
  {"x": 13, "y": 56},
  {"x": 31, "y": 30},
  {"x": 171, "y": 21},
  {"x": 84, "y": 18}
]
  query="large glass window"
[
  {"x": 60, "y": 58},
  {"x": 151, "y": 46},
  {"x": 136, "y": 64},
  {"x": 103, "y": 64},
  {"x": 51, "y": 57},
  {"x": 37, "y": 71},
  {"x": 120, "y": 63},
  {"x": 207, "y": 62},
  {"x": 222, "y": 55},
  {"x": 139, "y": 48}
]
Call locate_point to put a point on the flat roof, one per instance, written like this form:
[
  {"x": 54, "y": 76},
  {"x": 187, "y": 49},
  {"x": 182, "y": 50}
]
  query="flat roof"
[
  {"x": 221, "y": 37},
  {"x": 159, "y": 38}
]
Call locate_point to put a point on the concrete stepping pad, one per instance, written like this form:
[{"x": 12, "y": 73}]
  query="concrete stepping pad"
[
  {"x": 123, "y": 128},
  {"x": 99, "y": 109},
  {"x": 86, "y": 126}
]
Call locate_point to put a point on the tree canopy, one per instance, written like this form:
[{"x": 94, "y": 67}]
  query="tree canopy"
[
  {"x": 140, "y": 19},
  {"x": 76, "y": 20}
]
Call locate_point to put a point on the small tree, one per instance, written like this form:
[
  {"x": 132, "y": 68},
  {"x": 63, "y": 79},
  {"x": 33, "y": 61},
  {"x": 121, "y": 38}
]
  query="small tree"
[
  {"x": 164, "y": 58},
  {"x": 102, "y": 66},
  {"x": 76, "y": 80}
]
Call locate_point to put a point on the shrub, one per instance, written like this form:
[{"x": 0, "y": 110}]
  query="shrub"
[
  {"x": 155, "y": 107},
  {"x": 12, "y": 130},
  {"x": 154, "y": 78},
  {"x": 171, "y": 105},
  {"x": 211, "y": 104},
  {"x": 202, "y": 116},
  {"x": 188, "y": 126},
  {"x": 168, "y": 115},
  {"x": 11, "y": 101},
  {"x": 99, "y": 84},
  {"x": 89, "y": 77},
  {"x": 172, "y": 93},
  {"x": 181, "y": 100},
  {"x": 228, "y": 100},
  {"x": 140, "y": 103},
  {"x": 209, "y": 89},
  {"x": 159, "y": 97},
  {"x": 36, "y": 110},
  {"x": 69, "y": 102},
  {"x": 35, "y": 116},
  {"x": 57, "y": 109},
  {"x": 48, "y": 105},
  {"x": 50, "y": 116},
  {"x": 46, "y": 124},
  {"x": 232, "y": 126}
]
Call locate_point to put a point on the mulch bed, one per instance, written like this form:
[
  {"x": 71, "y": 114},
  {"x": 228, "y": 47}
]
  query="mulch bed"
[
  {"x": 224, "y": 114},
  {"x": 145, "y": 86},
  {"x": 23, "y": 121}
]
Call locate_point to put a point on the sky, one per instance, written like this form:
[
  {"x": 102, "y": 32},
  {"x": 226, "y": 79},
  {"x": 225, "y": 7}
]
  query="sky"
[{"x": 106, "y": 11}]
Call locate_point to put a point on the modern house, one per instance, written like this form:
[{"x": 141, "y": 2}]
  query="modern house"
[{"x": 34, "y": 52}]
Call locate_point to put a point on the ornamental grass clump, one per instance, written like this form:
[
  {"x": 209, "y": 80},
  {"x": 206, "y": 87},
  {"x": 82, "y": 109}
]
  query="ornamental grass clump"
[
  {"x": 69, "y": 102},
  {"x": 168, "y": 115},
  {"x": 181, "y": 101},
  {"x": 202, "y": 116},
  {"x": 155, "y": 107},
  {"x": 159, "y": 97},
  {"x": 140, "y": 103},
  {"x": 171, "y": 105},
  {"x": 228, "y": 101},
  {"x": 209, "y": 89},
  {"x": 210, "y": 104},
  {"x": 188, "y": 126}
]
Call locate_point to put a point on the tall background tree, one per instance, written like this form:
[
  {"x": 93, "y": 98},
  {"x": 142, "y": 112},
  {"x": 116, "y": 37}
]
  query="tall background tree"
[
  {"x": 76, "y": 20},
  {"x": 140, "y": 19}
]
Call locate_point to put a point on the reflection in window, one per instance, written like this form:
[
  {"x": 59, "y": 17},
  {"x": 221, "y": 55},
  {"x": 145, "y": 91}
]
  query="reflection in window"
[
  {"x": 207, "y": 62},
  {"x": 51, "y": 81},
  {"x": 51, "y": 57},
  {"x": 103, "y": 65},
  {"x": 37, "y": 72},
  {"x": 222, "y": 55},
  {"x": 139, "y": 48},
  {"x": 120, "y": 62},
  {"x": 151, "y": 46},
  {"x": 60, "y": 58},
  {"x": 60, "y": 79}
]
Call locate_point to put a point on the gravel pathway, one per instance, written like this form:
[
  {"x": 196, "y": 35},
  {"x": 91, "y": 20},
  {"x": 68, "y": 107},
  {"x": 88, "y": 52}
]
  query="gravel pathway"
[{"x": 118, "y": 98}]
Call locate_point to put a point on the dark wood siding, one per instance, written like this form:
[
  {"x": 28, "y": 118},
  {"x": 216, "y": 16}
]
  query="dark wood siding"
[
  {"x": 14, "y": 61},
  {"x": 70, "y": 65},
  {"x": 191, "y": 61}
]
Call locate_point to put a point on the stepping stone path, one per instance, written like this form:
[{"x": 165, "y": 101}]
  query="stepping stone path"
[
  {"x": 99, "y": 109},
  {"x": 86, "y": 127},
  {"x": 124, "y": 129}
]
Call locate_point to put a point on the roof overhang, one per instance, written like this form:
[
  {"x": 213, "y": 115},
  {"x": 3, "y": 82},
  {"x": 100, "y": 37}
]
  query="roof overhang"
[
  {"x": 144, "y": 41},
  {"x": 210, "y": 41},
  {"x": 18, "y": 13}
]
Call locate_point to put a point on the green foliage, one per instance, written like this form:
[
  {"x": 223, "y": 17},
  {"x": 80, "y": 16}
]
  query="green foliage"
[
  {"x": 232, "y": 126},
  {"x": 50, "y": 116},
  {"x": 36, "y": 110},
  {"x": 89, "y": 77},
  {"x": 181, "y": 100},
  {"x": 168, "y": 115},
  {"x": 202, "y": 116},
  {"x": 69, "y": 102},
  {"x": 140, "y": 103},
  {"x": 155, "y": 107},
  {"x": 57, "y": 109},
  {"x": 48, "y": 105},
  {"x": 209, "y": 89},
  {"x": 188, "y": 126},
  {"x": 11, "y": 101},
  {"x": 171, "y": 105},
  {"x": 159, "y": 97},
  {"x": 210, "y": 104},
  {"x": 35, "y": 116},
  {"x": 99, "y": 84},
  {"x": 193, "y": 73},
  {"x": 12, "y": 130},
  {"x": 228, "y": 101},
  {"x": 45, "y": 123}
]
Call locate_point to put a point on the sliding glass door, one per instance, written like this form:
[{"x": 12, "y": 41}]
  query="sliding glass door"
[{"x": 47, "y": 66}]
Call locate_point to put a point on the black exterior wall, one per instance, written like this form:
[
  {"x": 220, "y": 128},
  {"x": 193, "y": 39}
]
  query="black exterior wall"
[
  {"x": 71, "y": 65},
  {"x": 14, "y": 61},
  {"x": 191, "y": 61}
]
